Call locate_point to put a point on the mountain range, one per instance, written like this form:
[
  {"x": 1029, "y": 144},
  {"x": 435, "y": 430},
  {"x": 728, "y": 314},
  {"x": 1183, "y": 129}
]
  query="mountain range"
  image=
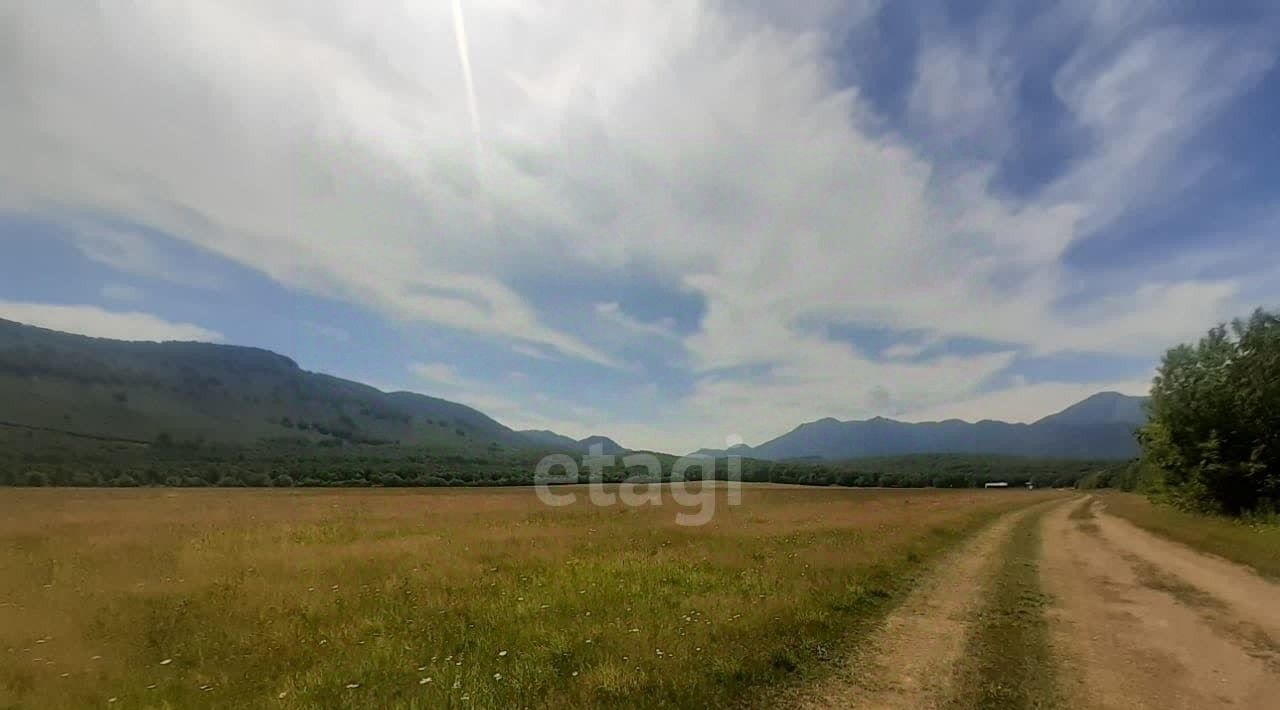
[
  {"x": 145, "y": 391},
  {"x": 1101, "y": 426}
]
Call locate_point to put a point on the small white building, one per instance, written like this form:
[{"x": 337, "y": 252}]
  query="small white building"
[{"x": 997, "y": 484}]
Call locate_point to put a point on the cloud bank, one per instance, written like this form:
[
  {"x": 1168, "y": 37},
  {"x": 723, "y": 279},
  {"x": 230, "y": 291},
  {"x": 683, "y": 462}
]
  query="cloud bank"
[{"x": 734, "y": 154}]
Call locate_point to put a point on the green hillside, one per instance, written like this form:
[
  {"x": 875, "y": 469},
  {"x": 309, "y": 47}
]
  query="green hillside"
[{"x": 196, "y": 391}]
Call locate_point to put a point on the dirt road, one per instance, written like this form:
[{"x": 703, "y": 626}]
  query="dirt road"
[
  {"x": 1134, "y": 621},
  {"x": 908, "y": 663},
  {"x": 1141, "y": 622}
]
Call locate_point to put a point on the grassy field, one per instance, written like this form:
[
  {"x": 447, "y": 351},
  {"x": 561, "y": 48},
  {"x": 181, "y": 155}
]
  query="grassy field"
[
  {"x": 444, "y": 598},
  {"x": 1253, "y": 544}
]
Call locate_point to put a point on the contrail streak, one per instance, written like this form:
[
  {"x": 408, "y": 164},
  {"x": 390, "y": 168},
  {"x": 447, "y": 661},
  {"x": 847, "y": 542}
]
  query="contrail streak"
[{"x": 464, "y": 58}]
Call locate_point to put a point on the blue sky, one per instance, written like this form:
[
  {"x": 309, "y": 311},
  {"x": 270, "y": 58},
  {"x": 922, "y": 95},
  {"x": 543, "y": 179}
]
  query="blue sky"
[{"x": 673, "y": 223}]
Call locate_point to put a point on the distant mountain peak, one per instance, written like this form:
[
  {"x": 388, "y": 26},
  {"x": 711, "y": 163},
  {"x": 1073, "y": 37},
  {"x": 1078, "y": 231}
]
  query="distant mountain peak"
[
  {"x": 1100, "y": 426},
  {"x": 607, "y": 446},
  {"x": 1107, "y": 406}
]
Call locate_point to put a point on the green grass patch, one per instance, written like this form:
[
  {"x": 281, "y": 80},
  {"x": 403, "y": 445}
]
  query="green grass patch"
[
  {"x": 1008, "y": 664},
  {"x": 444, "y": 598}
]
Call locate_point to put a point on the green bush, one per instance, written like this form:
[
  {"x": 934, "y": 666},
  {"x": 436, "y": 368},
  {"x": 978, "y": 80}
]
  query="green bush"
[{"x": 1213, "y": 440}]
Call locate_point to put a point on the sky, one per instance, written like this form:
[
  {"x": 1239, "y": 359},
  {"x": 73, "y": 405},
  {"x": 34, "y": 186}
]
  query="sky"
[{"x": 674, "y": 223}]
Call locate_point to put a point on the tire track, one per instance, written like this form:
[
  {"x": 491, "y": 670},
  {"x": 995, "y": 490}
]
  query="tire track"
[
  {"x": 1142, "y": 622},
  {"x": 910, "y": 662}
]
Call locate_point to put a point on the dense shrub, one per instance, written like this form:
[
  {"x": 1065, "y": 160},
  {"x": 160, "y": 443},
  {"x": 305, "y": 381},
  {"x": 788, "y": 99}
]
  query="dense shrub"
[{"x": 1214, "y": 435}]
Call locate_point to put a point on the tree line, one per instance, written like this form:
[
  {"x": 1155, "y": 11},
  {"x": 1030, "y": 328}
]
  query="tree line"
[
  {"x": 1212, "y": 442},
  {"x": 45, "y": 458}
]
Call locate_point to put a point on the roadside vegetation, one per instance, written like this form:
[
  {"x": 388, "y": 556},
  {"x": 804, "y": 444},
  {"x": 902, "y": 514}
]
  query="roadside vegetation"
[
  {"x": 445, "y": 598},
  {"x": 1213, "y": 440},
  {"x": 1252, "y": 540}
]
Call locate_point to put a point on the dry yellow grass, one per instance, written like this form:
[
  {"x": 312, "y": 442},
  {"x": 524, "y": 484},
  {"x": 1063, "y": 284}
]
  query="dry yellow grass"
[
  {"x": 443, "y": 598},
  {"x": 1250, "y": 542}
]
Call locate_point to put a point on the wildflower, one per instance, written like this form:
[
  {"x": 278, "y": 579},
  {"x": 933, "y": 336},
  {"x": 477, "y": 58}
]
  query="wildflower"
[
  {"x": 497, "y": 676},
  {"x": 575, "y": 674},
  {"x": 352, "y": 686},
  {"x": 422, "y": 668},
  {"x": 502, "y": 654},
  {"x": 283, "y": 694},
  {"x": 166, "y": 661},
  {"x": 424, "y": 681}
]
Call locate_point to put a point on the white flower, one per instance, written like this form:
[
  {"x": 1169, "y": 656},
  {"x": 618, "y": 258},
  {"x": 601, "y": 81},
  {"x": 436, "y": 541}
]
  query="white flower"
[
  {"x": 502, "y": 653},
  {"x": 352, "y": 686},
  {"x": 283, "y": 694},
  {"x": 424, "y": 681},
  {"x": 166, "y": 661},
  {"x": 497, "y": 676}
]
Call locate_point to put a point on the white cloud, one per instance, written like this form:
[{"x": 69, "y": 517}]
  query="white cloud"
[
  {"x": 438, "y": 373},
  {"x": 904, "y": 351},
  {"x": 530, "y": 351},
  {"x": 536, "y": 411},
  {"x": 612, "y": 313},
  {"x": 332, "y": 332},
  {"x": 99, "y": 323},
  {"x": 135, "y": 254},
  {"x": 121, "y": 292},
  {"x": 330, "y": 145},
  {"x": 962, "y": 96},
  {"x": 1025, "y": 402}
]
